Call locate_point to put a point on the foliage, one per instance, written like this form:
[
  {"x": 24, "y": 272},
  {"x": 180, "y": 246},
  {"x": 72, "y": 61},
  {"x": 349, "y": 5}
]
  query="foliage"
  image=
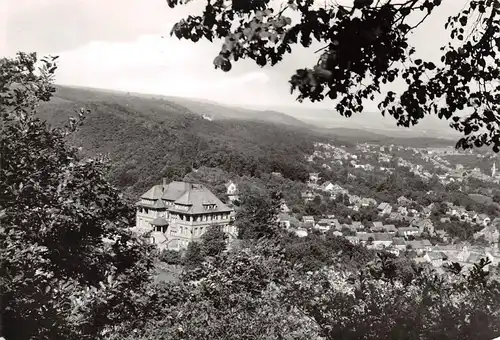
[
  {"x": 147, "y": 139},
  {"x": 257, "y": 215},
  {"x": 169, "y": 256},
  {"x": 369, "y": 41},
  {"x": 314, "y": 252},
  {"x": 213, "y": 241},
  {"x": 257, "y": 293},
  {"x": 193, "y": 257},
  {"x": 67, "y": 262},
  {"x": 214, "y": 179}
]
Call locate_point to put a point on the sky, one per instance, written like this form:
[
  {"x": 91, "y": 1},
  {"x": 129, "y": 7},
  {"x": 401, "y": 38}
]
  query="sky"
[{"x": 125, "y": 45}]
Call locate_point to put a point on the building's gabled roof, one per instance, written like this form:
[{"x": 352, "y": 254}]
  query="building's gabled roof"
[
  {"x": 185, "y": 199},
  {"x": 408, "y": 229},
  {"x": 398, "y": 241},
  {"x": 364, "y": 236},
  {"x": 383, "y": 205},
  {"x": 158, "y": 237},
  {"x": 390, "y": 227},
  {"x": 159, "y": 204},
  {"x": 197, "y": 198},
  {"x": 174, "y": 190},
  {"x": 194, "y": 197},
  {"x": 426, "y": 243},
  {"x": 435, "y": 255},
  {"x": 416, "y": 244},
  {"x": 382, "y": 237},
  {"x": 155, "y": 192}
]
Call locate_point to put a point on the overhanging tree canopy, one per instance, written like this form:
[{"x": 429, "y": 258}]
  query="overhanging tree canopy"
[{"x": 365, "y": 45}]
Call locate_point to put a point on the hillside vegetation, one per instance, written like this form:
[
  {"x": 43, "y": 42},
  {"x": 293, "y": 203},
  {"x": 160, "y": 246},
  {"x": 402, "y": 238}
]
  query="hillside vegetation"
[{"x": 148, "y": 139}]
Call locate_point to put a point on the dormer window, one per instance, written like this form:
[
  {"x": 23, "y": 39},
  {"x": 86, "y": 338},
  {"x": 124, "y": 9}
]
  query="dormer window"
[{"x": 210, "y": 206}]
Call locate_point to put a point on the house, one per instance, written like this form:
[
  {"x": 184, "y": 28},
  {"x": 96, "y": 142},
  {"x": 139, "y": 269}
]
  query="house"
[
  {"x": 483, "y": 219},
  {"x": 352, "y": 239},
  {"x": 420, "y": 246},
  {"x": 403, "y": 211},
  {"x": 384, "y": 208},
  {"x": 336, "y": 225},
  {"x": 403, "y": 201},
  {"x": 375, "y": 240},
  {"x": 338, "y": 190},
  {"x": 407, "y": 231},
  {"x": 435, "y": 258},
  {"x": 327, "y": 186},
  {"x": 424, "y": 225},
  {"x": 284, "y": 221},
  {"x": 308, "y": 196},
  {"x": 442, "y": 234},
  {"x": 314, "y": 177},
  {"x": 182, "y": 212},
  {"x": 324, "y": 225},
  {"x": 377, "y": 229},
  {"x": 300, "y": 232},
  {"x": 357, "y": 225},
  {"x": 396, "y": 216},
  {"x": 232, "y": 191},
  {"x": 277, "y": 174},
  {"x": 284, "y": 207},
  {"x": 308, "y": 220},
  {"x": 390, "y": 228},
  {"x": 366, "y": 202},
  {"x": 377, "y": 225},
  {"x": 382, "y": 240},
  {"x": 399, "y": 243}
]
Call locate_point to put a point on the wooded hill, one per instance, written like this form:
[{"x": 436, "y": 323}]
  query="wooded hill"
[{"x": 150, "y": 137}]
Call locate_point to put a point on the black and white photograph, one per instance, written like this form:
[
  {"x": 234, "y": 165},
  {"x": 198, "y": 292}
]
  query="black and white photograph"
[{"x": 249, "y": 169}]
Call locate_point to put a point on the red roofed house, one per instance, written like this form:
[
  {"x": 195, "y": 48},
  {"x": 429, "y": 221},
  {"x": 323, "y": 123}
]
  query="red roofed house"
[{"x": 182, "y": 212}]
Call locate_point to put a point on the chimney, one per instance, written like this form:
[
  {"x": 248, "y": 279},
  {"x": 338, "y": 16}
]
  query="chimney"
[{"x": 164, "y": 181}]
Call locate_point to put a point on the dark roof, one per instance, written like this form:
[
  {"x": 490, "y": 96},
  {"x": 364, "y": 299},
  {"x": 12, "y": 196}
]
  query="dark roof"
[
  {"x": 382, "y": 237},
  {"x": 159, "y": 221},
  {"x": 197, "y": 198},
  {"x": 194, "y": 197},
  {"x": 159, "y": 204}
]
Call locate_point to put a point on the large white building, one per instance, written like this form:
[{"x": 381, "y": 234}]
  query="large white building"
[{"x": 178, "y": 213}]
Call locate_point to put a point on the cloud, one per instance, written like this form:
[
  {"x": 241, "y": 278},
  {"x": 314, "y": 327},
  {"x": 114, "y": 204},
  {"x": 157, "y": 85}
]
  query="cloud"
[
  {"x": 159, "y": 65},
  {"x": 117, "y": 44}
]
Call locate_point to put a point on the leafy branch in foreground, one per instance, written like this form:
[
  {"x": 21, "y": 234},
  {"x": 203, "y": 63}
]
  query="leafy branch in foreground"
[
  {"x": 365, "y": 47},
  {"x": 68, "y": 267}
]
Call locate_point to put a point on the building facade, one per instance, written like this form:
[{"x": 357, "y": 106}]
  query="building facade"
[{"x": 178, "y": 213}]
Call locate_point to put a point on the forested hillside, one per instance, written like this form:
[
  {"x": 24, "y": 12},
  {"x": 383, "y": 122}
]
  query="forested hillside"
[{"x": 148, "y": 139}]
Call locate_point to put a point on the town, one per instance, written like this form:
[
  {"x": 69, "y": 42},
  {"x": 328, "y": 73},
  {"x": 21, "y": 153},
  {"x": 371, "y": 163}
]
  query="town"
[{"x": 174, "y": 214}]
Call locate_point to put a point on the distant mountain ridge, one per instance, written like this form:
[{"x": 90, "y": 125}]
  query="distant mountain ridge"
[
  {"x": 318, "y": 119},
  {"x": 194, "y": 106}
]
